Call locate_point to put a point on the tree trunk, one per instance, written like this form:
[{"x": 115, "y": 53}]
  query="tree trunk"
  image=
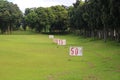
[
  {"x": 105, "y": 33},
  {"x": 92, "y": 33},
  {"x": 99, "y": 35},
  {"x": 118, "y": 35},
  {"x": 112, "y": 34}
]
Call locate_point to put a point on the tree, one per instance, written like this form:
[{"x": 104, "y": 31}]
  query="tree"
[
  {"x": 53, "y": 18},
  {"x": 96, "y": 18},
  {"x": 10, "y": 15},
  {"x": 60, "y": 19}
]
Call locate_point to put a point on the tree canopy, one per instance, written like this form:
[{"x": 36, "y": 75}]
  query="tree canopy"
[
  {"x": 89, "y": 18},
  {"x": 96, "y": 18},
  {"x": 10, "y": 16},
  {"x": 47, "y": 19}
]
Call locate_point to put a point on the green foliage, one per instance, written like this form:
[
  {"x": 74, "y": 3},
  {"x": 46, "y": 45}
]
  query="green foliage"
[
  {"x": 96, "y": 18},
  {"x": 54, "y": 18},
  {"x": 10, "y": 15},
  {"x": 61, "y": 18}
]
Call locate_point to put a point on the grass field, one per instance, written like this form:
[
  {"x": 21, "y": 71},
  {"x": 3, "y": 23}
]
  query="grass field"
[{"x": 36, "y": 57}]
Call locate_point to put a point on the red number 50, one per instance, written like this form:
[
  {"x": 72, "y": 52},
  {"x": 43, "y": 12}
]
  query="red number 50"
[{"x": 74, "y": 51}]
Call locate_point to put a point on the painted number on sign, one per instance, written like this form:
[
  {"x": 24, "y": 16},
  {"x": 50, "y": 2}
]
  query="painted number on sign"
[
  {"x": 76, "y": 51},
  {"x": 61, "y": 42}
]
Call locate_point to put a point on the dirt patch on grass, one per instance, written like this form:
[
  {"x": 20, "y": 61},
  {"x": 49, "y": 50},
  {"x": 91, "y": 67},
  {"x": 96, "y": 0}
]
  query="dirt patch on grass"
[
  {"x": 117, "y": 68},
  {"x": 106, "y": 59},
  {"x": 91, "y": 77},
  {"x": 98, "y": 55},
  {"x": 55, "y": 76},
  {"x": 91, "y": 65},
  {"x": 50, "y": 77}
]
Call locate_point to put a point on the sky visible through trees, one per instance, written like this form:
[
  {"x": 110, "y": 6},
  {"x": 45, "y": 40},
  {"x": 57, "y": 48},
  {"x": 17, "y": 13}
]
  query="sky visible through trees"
[{"x": 41, "y": 3}]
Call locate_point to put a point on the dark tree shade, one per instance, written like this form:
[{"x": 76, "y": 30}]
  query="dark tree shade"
[
  {"x": 96, "y": 18},
  {"x": 10, "y": 16},
  {"x": 52, "y": 19}
]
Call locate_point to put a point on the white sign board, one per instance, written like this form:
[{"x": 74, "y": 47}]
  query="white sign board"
[
  {"x": 56, "y": 40},
  {"x": 51, "y": 36},
  {"x": 76, "y": 51},
  {"x": 64, "y": 42},
  {"x": 61, "y": 42}
]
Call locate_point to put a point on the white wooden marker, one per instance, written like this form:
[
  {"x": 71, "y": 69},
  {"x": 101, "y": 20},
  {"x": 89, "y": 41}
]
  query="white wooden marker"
[
  {"x": 61, "y": 42},
  {"x": 64, "y": 42},
  {"x": 51, "y": 36},
  {"x": 75, "y": 51},
  {"x": 55, "y": 40}
]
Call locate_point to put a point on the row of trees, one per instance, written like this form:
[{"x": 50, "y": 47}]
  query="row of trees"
[
  {"x": 96, "y": 18},
  {"x": 10, "y": 16},
  {"x": 51, "y": 19},
  {"x": 92, "y": 18}
]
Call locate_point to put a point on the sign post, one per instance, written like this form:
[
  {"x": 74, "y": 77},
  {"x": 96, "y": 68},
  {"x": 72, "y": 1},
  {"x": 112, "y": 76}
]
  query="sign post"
[
  {"x": 51, "y": 36},
  {"x": 61, "y": 42},
  {"x": 75, "y": 51},
  {"x": 55, "y": 40}
]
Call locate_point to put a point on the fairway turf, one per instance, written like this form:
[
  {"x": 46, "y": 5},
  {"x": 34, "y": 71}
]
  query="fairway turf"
[{"x": 36, "y": 57}]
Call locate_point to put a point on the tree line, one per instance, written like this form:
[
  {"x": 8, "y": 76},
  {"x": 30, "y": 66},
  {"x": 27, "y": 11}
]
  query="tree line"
[
  {"x": 10, "y": 16},
  {"x": 96, "y": 18},
  {"x": 91, "y": 18},
  {"x": 51, "y": 19}
]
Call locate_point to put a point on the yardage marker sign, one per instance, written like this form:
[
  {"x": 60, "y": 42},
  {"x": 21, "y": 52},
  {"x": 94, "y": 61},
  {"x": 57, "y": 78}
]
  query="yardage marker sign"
[
  {"x": 55, "y": 40},
  {"x": 51, "y": 36},
  {"x": 61, "y": 42},
  {"x": 75, "y": 51}
]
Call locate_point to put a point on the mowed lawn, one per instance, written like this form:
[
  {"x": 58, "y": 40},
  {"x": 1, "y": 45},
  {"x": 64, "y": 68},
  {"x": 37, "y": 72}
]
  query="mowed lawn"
[{"x": 36, "y": 57}]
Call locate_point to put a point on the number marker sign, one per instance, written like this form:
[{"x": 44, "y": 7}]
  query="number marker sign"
[
  {"x": 64, "y": 42},
  {"x": 76, "y": 51},
  {"x": 51, "y": 36},
  {"x": 55, "y": 40},
  {"x": 61, "y": 42}
]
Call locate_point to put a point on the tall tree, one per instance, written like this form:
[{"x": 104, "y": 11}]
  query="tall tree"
[
  {"x": 96, "y": 18},
  {"x": 54, "y": 18},
  {"x": 10, "y": 15},
  {"x": 61, "y": 17}
]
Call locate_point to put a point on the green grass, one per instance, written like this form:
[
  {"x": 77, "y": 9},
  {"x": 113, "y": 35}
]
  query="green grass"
[{"x": 36, "y": 57}]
